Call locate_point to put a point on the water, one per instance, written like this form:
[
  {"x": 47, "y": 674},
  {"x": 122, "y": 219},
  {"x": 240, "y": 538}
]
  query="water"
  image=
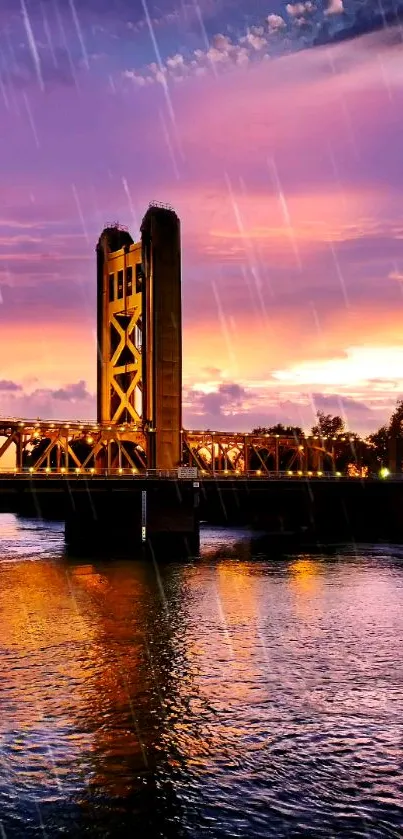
[{"x": 237, "y": 696}]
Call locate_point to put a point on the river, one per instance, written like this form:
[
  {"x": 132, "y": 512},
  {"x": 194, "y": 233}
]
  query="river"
[{"x": 243, "y": 694}]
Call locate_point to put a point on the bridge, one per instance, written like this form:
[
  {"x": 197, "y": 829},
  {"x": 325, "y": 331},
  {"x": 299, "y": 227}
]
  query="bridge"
[{"x": 137, "y": 447}]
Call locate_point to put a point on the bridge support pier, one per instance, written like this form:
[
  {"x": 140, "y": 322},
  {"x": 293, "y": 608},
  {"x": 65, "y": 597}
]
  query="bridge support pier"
[{"x": 160, "y": 517}]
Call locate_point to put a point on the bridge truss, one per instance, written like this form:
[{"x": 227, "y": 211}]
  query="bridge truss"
[{"x": 87, "y": 447}]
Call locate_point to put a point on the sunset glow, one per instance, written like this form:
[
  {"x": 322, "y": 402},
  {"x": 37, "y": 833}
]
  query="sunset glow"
[{"x": 284, "y": 166}]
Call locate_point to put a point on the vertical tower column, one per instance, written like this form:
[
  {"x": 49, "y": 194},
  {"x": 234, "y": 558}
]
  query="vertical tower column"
[
  {"x": 162, "y": 324},
  {"x": 119, "y": 307}
]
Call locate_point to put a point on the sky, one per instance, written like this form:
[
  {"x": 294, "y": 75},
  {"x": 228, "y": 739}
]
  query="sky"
[{"x": 275, "y": 131}]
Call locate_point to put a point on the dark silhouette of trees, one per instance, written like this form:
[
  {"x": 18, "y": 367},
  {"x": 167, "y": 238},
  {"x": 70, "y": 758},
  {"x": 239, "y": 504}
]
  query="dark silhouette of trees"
[
  {"x": 392, "y": 431},
  {"x": 328, "y": 426},
  {"x": 380, "y": 443},
  {"x": 282, "y": 430},
  {"x": 396, "y": 420}
]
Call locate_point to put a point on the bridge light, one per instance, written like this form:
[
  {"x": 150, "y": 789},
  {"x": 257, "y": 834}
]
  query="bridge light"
[
  {"x": 78, "y": 470},
  {"x": 343, "y": 439},
  {"x": 109, "y": 428},
  {"x": 47, "y": 469},
  {"x": 320, "y": 474},
  {"x": 384, "y": 472},
  {"x": 289, "y": 472},
  {"x": 309, "y": 474},
  {"x": 338, "y": 474},
  {"x": 300, "y": 474},
  {"x": 134, "y": 471},
  {"x": 301, "y": 448},
  {"x": 315, "y": 438},
  {"x": 63, "y": 469},
  {"x": 120, "y": 471},
  {"x": 258, "y": 471},
  {"x": 31, "y": 469},
  {"x": 90, "y": 439},
  {"x": 334, "y": 438},
  {"x": 92, "y": 470}
]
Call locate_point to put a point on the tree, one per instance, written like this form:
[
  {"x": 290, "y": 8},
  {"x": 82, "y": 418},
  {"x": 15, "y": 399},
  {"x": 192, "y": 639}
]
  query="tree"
[
  {"x": 396, "y": 420},
  {"x": 282, "y": 430},
  {"x": 380, "y": 442},
  {"x": 328, "y": 426}
]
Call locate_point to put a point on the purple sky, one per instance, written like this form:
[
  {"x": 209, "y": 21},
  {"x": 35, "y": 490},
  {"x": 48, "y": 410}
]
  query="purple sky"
[{"x": 275, "y": 131}]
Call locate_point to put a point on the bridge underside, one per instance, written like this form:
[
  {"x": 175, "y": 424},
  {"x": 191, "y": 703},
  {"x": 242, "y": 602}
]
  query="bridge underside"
[{"x": 50, "y": 446}]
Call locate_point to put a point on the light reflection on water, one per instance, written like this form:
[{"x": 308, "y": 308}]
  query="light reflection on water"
[{"x": 239, "y": 695}]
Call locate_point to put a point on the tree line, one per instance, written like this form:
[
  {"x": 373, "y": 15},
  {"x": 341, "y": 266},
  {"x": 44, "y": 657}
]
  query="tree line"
[{"x": 331, "y": 426}]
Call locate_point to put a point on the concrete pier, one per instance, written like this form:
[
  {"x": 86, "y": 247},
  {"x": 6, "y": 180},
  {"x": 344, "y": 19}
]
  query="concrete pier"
[{"x": 111, "y": 516}]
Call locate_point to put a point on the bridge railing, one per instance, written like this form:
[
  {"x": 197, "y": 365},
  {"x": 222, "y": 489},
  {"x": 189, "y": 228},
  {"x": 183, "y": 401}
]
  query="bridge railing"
[{"x": 203, "y": 475}]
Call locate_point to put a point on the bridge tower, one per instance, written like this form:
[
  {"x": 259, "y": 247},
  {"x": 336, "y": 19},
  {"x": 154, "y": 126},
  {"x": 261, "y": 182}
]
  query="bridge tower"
[{"x": 139, "y": 369}]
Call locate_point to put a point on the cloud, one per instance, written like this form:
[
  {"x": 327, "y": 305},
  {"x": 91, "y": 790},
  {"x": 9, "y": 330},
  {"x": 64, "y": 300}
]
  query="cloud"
[
  {"x": 10, "y": 387},
  {"x": 276, "y": 23},
  {"x": 307, "y": 25},
  {"x": 357, "y": 19},
  {"x": 335, "y": 7},
  {"x": 233, "y": 407},
  {"x": 225, "y": 400},
  {"x": 333, "y": 403},
  {"x": 72, "y": 393},
  {"x": 298, "y": 10},
  {"x": 73, "y": 401},
  {"x": 352, "y": 411},
  {"x": 255, "y": 38},
  {"x": 56, "y": 68}
]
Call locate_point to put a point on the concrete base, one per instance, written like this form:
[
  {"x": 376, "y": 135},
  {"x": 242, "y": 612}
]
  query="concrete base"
[{"x": 117, "y": 520}]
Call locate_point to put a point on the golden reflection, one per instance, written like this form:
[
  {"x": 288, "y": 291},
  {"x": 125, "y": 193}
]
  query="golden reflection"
[
  {"x": 306, "y": 582},
  {"x": 233, "y": 609},
  {"x": 75, "y": 640}
]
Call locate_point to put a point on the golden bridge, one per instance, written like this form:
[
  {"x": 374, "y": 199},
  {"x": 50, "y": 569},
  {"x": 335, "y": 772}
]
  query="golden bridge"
[
  {"x": 82, "y": 447},
  {"x": 136, "y": 470},
  {"x": 139, "y": 385}
]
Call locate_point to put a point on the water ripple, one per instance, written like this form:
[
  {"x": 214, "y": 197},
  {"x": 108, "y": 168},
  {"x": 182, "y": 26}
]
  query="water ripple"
[{"x": 260, "y": 696}]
